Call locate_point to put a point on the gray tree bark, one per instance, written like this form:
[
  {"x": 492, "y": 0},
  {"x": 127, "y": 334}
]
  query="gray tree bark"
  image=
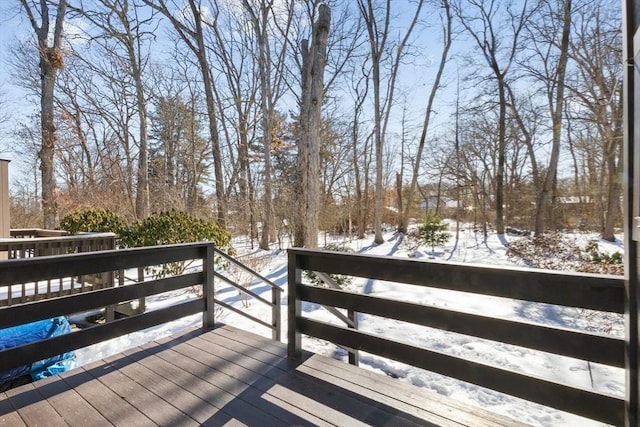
[
  {"x": 51, "y": 60},
  {"x": 556, "y": 105},
  {"x": 313, "y": 64},
  {"x": 194, "y": 39}
]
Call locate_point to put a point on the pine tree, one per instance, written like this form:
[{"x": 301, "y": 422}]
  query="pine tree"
[{"x": 433, "y": 231}]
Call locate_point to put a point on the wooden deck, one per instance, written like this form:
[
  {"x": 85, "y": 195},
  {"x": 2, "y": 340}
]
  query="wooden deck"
[{"x": 229, "y": 377}]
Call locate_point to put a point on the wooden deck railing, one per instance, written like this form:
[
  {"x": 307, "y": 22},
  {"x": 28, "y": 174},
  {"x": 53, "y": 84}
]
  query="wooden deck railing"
[
  {"x": 52, "y": 267},
  {"x": 276, "y": 292},
  {"x": 31, "y": 243},
  {"x": 601, "y": 293},
  {"x": 36, "y": 232}
]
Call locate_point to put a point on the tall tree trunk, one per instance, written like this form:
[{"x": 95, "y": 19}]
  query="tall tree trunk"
[
  {"x": 313, "y": 64},
  {"x": 259, "y": 24},
  {"x": 614, "y": 186},
  {"x": 194, "y": 39},
  {"x": 446, "y": 30},
  {"x": 51, "y": 60},
  {"x": 557, "y": 111},
  {"x": 502, "y": 150}
]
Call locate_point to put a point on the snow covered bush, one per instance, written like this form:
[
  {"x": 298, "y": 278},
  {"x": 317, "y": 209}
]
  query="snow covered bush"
[
  {"x": 412, "y": 242},
  {"x": 556, "y": 251}
]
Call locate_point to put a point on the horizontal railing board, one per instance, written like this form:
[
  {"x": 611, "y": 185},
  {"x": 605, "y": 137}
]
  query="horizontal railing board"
[
  {"x": 594, "y": 292},
  {"x": 566, "y": 342},
  {"x": 42, "y": 268},
  {"x": 590, "y": 404},
  {"x": 30, "y": 312},
  {"x": 36, "y": 232},
  {"x": 246, "y": 268},
  {"x": 244, "y": 314},
  {"x": 244, "y": 290},
  {"x": 29, "y": 353},
  {"x": 63, "y": 241}
]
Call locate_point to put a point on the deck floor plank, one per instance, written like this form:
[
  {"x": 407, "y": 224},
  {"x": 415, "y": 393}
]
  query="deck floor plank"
[
  {"x": 266, "y": 376},
  {"x": 116, "y": 410},
  {"x": 390, "y": 392},
  {"x": 33, "y": 410},
  {"x": 157, "y": 409},
  {"x": 393, "y": 388},
  {"x": 340, "y": 398},
  {"x": 228, "y": 377},
  {"x": 238, "y": 394},
  {"x": 73, "y": 408},
  {"x": 8, "y": 416},
  {"x": 180, "y": 396},
  {"x": 207, "y": 385}
]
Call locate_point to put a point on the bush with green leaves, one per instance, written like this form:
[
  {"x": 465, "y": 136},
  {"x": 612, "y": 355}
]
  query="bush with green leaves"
[
  {"x": 166, "y": 228},
  {"x": 433, "y": 231},
  {"x": 340, "y": 279},
  {"x": 599, "y": 257},
  {"x": 94, "y": 220}
]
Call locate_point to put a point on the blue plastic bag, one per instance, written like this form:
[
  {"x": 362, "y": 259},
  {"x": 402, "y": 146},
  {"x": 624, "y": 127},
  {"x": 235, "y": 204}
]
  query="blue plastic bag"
[{"x": 32, "y": 332}]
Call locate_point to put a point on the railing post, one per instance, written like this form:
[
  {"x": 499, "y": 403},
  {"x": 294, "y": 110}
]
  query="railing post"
[
  {"x": 276, "y": 314},
  {"x": 109, "y": 280},
  {"x": 631, "y": 89},
  {"x": 354, "y": 356},
  {"x": 294, "y": 276},
  {"x": 208, "y": 316}
]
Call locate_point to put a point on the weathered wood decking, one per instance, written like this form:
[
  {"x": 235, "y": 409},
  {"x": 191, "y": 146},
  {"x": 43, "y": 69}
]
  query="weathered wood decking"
[{"x": 229, "y": 377}]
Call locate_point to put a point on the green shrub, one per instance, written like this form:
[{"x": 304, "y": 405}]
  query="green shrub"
[
  {"x": 94, "y": 220},
  {"x": 166, "y": 228},
  {"x": 433, "y": 232},
  {"x": 599, "y": 257},
  {"x": 340, "y": 279}
]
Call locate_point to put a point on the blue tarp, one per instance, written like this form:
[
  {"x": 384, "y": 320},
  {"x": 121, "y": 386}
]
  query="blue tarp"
[{"x": 32, "y": 332}]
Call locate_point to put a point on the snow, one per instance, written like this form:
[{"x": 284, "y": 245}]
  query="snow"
[{"x": 471, "y": 248}]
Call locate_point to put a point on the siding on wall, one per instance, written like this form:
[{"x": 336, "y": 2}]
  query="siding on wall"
[{"x": 4, "y": 198}]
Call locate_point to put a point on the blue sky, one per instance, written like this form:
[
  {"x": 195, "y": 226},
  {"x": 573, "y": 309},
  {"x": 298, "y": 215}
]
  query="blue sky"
[{"x": 12, "y": 27}]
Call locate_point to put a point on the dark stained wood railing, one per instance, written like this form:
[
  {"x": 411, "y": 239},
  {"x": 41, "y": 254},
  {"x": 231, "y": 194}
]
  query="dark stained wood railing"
[
  {"x": 276, "y": 293},
  {"x": 60, "y": 266},
  {"x": 31, "y": 243},
  {"x": 593, "y": 292},
  {"x": 31, "y": 233}
]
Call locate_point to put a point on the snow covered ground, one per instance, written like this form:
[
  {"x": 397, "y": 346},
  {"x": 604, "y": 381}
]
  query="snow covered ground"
[{"x": 470, "y": 248}]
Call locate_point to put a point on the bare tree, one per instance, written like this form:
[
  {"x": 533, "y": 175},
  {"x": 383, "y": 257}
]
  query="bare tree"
[
  {"x": 446, "y": 20},
  {"x": 234, "y": 60},
  {"x": 548, "y": 38},
  {"x": 313, "y": 63},
  {"x": 270, "y": 61},
  {"x": 4, "y": 113},
  {"x": 498, "y": 40},
  {"x": 597, "y": 88},
  {"x": 377, "y": 20},
  {"x": 123, "y": 33},
  {"x": 51, "y": 60},
  {"x": 360, "y": 149},
  {"x": 188, "y": 22},
  {"x": 97, "y": 91}
]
